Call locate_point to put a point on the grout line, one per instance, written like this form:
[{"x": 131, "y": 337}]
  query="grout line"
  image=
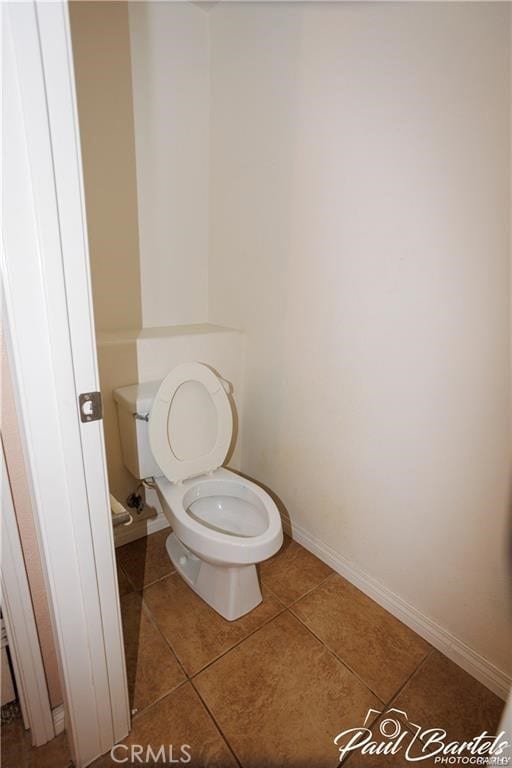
[
  {"x": 123, "y": 569},
  {"x": 397, "y": 693},
  {"x": 118, "y": 564},
  {"x": 158, "y": 701},
  {"x": 367, "y": 685},
  {"x": 160, "y": 578},
  {"x": 346, "y": 759},
  {"x": 217, "y": 724},
  {"x": 154, "y": 622},
  {"x": 239, "y": 642},
  {"x": 413, "y": 674},
  {"x": 190, "y": 678},
  {"x": 337, "y": 657},
  {"x": 246, "y": 637},
  {"x": 309, "y": 591},
  {"x": 144, "y": 607},
  {"x": 306, "y": 594},
  {"x": 168, "y": 642},
  {"x": 144, "y": 586}
]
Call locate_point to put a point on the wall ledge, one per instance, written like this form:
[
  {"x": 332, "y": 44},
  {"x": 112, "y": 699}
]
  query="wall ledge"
[
  {"x": 139, "y": 529},
  {"x": 130, "y": 335}
]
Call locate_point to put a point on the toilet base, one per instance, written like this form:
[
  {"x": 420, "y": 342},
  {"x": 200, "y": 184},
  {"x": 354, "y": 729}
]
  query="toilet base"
[{"x": 232, "y": 590}]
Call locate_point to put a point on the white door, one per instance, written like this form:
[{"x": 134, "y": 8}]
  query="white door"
[
  {"x": 21, "y": 627},
  {"x": 48, "y": 308}
]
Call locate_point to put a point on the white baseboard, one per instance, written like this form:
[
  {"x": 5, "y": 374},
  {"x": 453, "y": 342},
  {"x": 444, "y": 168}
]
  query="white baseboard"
[
  {"x": 139, "y": 528},
  {"x": 58, "y": 719},
  {"x": 452, "y": 647}
]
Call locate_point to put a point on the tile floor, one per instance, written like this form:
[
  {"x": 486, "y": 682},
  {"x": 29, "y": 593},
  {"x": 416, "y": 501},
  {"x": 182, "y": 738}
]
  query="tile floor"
[
  {"x": 17, "y": 751},
  {"x": 276, "y": 686}
]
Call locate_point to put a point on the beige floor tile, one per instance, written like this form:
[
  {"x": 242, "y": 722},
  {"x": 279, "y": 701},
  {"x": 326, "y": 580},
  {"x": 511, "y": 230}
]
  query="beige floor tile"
[
  {"x": 145, "y": 560},
  {"x": 15, "y": 743},
  {"x": 17, "y": 751},
  {"x": 195, "y": 631},
  {"x": 442, "y": 695},
  {"x": 55, "y": 754},
  {"x": 152, "y": 668},
  {"x": 292, "y": 572},
  {"x": 177, "y": 720},
  {"x": 439, "y": 696},
  {"x": 281, "y": 697},
  {"x": 105, "y": 762},
  {"x": 375, "y": 645}
]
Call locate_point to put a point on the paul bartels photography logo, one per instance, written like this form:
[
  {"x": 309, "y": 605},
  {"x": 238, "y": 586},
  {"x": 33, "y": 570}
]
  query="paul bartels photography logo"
[{"x": 394, "y": 733}]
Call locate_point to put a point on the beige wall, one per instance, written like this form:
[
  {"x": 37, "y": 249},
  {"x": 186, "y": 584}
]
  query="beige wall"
[
  {"x": 145, "y": 157},
  {"x": 101, "y": 52},
  {"x": 170, "y": 66},
  {"x": 142, "y": 81},
  {"x": 102, "y": 60},
  {"x": 16, "y": 468},
  {"x": 360, "y": 214}
]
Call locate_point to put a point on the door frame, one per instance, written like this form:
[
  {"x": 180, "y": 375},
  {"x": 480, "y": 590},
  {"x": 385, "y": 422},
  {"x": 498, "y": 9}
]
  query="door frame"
[{"x": 49, "y": 318}]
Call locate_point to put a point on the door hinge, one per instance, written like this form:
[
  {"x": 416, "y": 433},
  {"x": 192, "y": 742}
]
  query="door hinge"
[{"x": 90, "y": 406}]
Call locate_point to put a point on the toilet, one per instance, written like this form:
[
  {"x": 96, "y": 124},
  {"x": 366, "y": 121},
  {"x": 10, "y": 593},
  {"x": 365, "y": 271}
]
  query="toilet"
[{"x": 178, "y": 432}]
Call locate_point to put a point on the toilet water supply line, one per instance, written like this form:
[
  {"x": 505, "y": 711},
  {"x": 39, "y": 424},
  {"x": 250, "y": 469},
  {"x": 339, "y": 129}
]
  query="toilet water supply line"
[{"x": 135, "y": 500}]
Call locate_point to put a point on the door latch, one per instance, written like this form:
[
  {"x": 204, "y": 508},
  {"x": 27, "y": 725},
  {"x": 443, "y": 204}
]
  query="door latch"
[{"x": 90, "y": 406}]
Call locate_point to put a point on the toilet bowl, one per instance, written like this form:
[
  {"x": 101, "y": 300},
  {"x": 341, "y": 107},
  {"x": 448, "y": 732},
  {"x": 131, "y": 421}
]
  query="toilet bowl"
[{"x": 223, "y": 524}]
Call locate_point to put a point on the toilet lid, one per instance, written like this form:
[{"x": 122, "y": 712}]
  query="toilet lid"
[{"x": 190, "y": 422}]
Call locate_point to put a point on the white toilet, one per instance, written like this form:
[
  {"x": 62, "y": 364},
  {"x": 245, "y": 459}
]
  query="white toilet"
[{"x": 179, "y": 431}]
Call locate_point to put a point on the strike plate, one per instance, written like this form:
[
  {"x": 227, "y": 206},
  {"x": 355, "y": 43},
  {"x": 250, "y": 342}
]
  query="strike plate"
[{"x": 90, "y": 406}]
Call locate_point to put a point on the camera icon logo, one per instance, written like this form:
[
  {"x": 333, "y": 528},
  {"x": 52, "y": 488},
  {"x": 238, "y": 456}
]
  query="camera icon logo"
[{"x": 393, "y": 722}]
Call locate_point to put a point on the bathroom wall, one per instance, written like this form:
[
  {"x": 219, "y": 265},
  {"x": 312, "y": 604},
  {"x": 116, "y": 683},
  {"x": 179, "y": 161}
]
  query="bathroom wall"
[
  {"x": 170, "y": 66},
  {"x": 359, "y": 219},
  {"x": 349, "y": 162},
  {"x": 142, "y": 82},
  {"x": 142, "y": 91},
  {"x": 101, "y": 53},
  {"x": 103, "y": 80}
]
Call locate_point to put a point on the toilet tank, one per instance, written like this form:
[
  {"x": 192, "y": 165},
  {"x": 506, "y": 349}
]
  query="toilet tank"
[{"x": 133, "y": 432}]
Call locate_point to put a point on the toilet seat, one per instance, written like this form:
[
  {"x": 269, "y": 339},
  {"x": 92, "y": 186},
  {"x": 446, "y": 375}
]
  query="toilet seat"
[{"x": 207, "y": 455}]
